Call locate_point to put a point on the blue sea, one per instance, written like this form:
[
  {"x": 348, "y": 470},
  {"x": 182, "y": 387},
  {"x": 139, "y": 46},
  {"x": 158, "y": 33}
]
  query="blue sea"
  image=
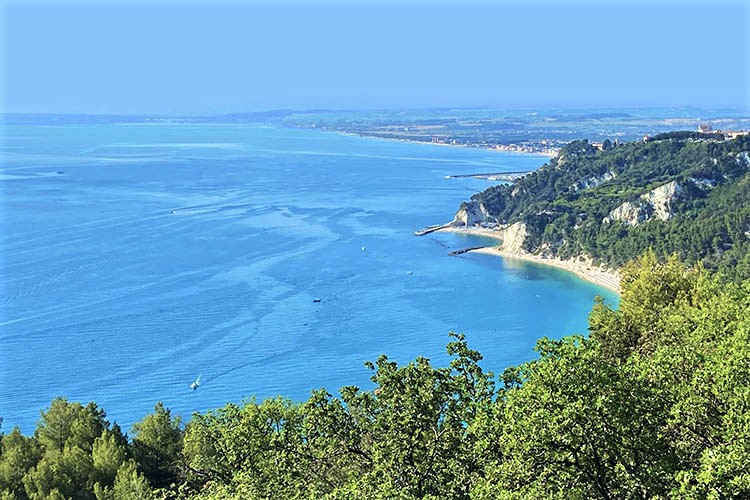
[{"x": 266, "y": 260}]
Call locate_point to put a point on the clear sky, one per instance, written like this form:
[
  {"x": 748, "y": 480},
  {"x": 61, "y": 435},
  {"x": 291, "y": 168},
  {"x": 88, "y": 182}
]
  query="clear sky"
[{"x": 198, "y": 57}]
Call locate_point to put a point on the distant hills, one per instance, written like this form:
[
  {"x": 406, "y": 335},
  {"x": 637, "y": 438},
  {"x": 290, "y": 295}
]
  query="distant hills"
[{"x": 683, "y": 193}]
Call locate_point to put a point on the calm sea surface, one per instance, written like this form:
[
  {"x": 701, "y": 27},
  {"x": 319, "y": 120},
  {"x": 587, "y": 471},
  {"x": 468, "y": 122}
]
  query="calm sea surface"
[{"x": 137, "y": 257}]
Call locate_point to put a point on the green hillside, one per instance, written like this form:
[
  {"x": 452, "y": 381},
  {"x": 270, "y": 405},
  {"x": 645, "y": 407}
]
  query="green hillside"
[{"x": 682, "y": 192}]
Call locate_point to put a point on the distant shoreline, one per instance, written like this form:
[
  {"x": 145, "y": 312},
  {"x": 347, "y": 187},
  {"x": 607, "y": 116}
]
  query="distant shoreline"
[
  {"x": 497, "y": 148},
  {"x": 607, "y": 279}
]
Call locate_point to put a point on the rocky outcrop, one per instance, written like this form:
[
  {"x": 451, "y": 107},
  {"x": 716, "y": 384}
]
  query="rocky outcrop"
[
  {"x": 475, "y": 215},
  {"x": 593, "y": 181},
  {"x": 472, "y": 214},
  {"x": 703, "y": 183},
  {"x": 513, "y": 237},
  {"x": 629, "y": 213},
  {"x": 662, "y": 198},
  {"x": 743, "y": 159},
  {"x": 656, "y": 204}
]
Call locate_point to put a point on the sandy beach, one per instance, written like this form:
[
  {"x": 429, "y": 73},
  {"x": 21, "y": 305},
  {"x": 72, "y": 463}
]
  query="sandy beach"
[{"x": 606, "y": 278}]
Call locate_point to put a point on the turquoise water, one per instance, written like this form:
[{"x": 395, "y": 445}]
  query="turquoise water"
[{"x": 137, "y": 257}]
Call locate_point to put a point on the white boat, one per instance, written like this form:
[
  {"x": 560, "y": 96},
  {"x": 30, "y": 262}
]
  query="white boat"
[{"x": 196, "y": 383}]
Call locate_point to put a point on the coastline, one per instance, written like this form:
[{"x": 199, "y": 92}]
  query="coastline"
[
  {"x": 498, "y": 148},
  {"x": 582, "y": 269},
  {"x": 606, "y": 279}
]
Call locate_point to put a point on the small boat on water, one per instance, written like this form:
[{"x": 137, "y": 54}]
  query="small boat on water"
[{"x": 196, "y": 383}]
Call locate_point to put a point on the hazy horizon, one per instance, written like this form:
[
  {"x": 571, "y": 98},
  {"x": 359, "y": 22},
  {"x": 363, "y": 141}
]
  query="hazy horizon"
[{"x": 363, "y": 109}]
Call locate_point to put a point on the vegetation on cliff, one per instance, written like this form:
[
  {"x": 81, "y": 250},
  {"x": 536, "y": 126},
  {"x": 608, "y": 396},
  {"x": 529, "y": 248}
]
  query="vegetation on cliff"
[
  {"x": 653, "y": 403},
  {"x": 683, "y": 193}
]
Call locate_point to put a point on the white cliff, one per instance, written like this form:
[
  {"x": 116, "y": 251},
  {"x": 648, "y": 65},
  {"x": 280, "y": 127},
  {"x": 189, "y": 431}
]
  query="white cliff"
[
  {"x": 656, "y": 204},
  {"x": 472, "y": 214},
  {"x": 593, "y": 181},
  {"x": 513, "y": 237}
]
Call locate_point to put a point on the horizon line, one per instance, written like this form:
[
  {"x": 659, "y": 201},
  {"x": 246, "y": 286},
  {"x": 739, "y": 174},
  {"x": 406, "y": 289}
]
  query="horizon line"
[{"x": 189, "y": 114}]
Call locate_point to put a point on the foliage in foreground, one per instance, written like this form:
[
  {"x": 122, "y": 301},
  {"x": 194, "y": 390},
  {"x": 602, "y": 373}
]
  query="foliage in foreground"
[{"x": 652, "y": 404}]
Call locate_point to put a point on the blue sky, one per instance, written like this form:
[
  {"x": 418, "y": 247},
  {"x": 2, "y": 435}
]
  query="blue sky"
[{"x": 197, "y": 58}]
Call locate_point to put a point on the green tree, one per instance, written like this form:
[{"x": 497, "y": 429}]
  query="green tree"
[
  {"x": 420, "y": 438},
  {"x": 649, "y": 286},
  {"x": 68, "y": 472},
  {"x": 108, "y": 455},
  {"x": 581, "y": 427},
  {"x": 157, "y": 447},
  {"x": 78, "y": 446},
  {"x": 55, "y": 426},
  {"x": 130, "y": 484},
  {"x": 70, "y": 423},
  {"x": 18, "y": 454}
]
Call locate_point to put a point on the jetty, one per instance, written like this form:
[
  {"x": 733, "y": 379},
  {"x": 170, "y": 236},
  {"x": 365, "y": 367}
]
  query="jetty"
[
  {"x": 493, "y": 176},
  {"x": 464, "y": 250},
  {"x": 430, "y": 229}
]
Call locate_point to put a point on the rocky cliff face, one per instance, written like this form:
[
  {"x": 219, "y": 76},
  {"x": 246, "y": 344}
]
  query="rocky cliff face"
[
  {"x": 593, "y": 181},
  {"x": 656, "y": 204},
  {"x": 472, "y": 214},
  {"x": 513, "y": 237}
]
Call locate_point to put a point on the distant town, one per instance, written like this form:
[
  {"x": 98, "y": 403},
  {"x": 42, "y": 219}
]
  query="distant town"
[{"x": 529, "y": 132}]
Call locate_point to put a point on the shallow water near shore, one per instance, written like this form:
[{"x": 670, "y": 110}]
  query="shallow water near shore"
[{"x": 266, "y": 260}]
